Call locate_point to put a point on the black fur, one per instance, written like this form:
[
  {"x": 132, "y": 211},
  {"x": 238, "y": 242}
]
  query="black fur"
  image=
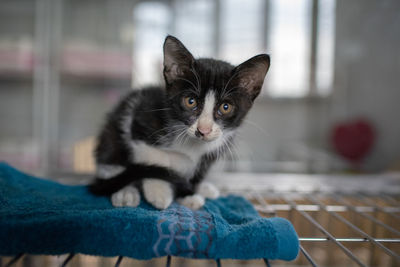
[{"x": 152, "y": 110}]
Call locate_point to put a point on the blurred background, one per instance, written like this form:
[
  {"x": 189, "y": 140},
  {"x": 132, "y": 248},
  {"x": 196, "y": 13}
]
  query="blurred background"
[{"x": 330, "y": 102}]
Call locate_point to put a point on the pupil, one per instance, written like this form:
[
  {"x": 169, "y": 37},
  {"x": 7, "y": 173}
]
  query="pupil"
[
  {"x": 226, "y": 106},
  {"x": 191, "y": 101}
]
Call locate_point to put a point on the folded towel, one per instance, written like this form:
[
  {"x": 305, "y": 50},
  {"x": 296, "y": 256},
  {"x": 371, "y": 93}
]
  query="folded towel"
[{"x": 38, "y": 216}]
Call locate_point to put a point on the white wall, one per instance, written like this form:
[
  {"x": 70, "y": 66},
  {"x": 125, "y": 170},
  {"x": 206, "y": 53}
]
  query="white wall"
[{"x": 367, "y": 72}]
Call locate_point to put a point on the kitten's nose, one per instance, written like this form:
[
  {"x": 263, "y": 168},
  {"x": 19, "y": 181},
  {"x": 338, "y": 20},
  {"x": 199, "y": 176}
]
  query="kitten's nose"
[{"x": 204, "y": 130}]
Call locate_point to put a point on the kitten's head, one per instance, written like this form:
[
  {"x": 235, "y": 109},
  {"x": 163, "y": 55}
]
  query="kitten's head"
[{"x": 210, "y": 97}]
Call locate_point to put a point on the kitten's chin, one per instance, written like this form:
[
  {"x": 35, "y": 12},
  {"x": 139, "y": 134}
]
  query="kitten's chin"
[{"x": 206, "y": 140}]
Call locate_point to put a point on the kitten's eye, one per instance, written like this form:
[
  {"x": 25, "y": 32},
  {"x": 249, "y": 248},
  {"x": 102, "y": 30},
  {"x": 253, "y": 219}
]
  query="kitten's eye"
[
  {"x": 225, "y": 109},
  {"x": 190, "y": 102}
]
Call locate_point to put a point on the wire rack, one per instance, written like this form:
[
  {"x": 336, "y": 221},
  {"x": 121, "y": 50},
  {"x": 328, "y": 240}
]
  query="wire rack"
[{"x": 349, "y": 227}]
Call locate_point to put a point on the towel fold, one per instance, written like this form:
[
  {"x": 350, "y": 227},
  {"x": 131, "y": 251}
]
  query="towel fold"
[{"x": 38, "y": 216}]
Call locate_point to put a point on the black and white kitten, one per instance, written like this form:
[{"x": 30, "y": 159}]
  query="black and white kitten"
[{"x": 162, "y": 141}]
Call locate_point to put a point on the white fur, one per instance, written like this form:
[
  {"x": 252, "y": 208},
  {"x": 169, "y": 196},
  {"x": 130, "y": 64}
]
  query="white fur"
[
  {"x": 158, "y": 193},
  {"x": 193, "y": 202},
  {"x": 127, "y": 196},
  {"x": 206, "y": 120},
  {"x": 208, "y": 190},
  {"x": 175, "y": 160},
  {"x": 105, "y": 171},
  {"x": 206, "y": 117}
]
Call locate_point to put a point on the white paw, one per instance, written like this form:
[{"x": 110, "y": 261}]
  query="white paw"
[
  {"x": 128, "y": 196},
  {"x": 193, "y": 202},
  {"x": 208, "y": 190},
  {"x": 158, "y": 193}
]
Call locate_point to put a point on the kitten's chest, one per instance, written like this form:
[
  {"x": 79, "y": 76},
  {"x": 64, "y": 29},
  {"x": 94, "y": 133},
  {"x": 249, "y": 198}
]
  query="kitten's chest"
[
  {"x": 182, "y": 159},
  {"x": 188, "y": 152}
]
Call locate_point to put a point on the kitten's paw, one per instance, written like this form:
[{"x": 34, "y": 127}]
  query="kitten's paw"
[
  {"x": 193, "y": 202},
  {"x": 128, "y": 196},
  {"x": 208, "y": 190},
  {"x": 158, "y": 193}
]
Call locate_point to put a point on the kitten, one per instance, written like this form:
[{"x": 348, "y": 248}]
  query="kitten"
[{"x": 162, "y": 141}]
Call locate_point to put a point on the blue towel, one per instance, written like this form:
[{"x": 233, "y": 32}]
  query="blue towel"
[{"x": 43, "y": 217}]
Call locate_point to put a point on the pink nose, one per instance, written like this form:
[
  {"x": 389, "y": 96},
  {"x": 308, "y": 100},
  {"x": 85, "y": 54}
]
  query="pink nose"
[{"x": 204, "y": 130}]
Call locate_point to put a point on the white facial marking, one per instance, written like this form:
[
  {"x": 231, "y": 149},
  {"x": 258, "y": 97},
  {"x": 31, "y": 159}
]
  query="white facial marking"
[
  {"x": 158, "y": 193},
  {"x": 205, "y": 123},
  {"x": 106, "y": 171},
  {"x": 206, "y": 119}
]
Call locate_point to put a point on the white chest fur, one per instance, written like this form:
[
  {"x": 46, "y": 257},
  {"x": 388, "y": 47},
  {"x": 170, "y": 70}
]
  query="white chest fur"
[{"x": 180, "y": 158}]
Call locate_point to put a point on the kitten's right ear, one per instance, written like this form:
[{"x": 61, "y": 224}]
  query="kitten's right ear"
[{"x": 177, "y": 59}]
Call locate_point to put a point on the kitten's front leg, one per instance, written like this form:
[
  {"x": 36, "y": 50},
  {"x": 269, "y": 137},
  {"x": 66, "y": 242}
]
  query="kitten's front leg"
[
  {"x": 157, "y": 192},
  {"x": 208, "y": 190},
  {"x": 193, "y": 202},
  {"x": 128, "y": 196},
  {"x": 196, "y": 201}
]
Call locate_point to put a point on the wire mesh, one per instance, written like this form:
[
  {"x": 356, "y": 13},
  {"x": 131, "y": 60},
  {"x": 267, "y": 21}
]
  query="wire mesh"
[{"x": 338, "y": 229}]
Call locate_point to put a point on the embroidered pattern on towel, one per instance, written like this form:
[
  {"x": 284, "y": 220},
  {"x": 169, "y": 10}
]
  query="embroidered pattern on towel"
[{"x": 188, "y": 233}]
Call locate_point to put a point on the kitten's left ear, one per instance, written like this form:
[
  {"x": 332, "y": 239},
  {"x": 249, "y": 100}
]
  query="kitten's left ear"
[
  {"x": 177, "y": 59},
  {"x": 251, "y": 73}
]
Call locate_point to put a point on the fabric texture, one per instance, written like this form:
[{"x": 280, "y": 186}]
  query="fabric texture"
[{"x": 38, "y": 216}]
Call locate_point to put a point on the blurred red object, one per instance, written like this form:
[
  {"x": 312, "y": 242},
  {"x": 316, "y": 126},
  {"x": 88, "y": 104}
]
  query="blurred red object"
[{"x": 353, "y": 139}]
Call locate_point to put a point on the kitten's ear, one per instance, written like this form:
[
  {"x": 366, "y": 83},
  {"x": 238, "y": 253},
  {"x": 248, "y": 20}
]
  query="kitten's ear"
[
  {"x": 177, "y": 59},
  {"x": 251, "y": 73}
]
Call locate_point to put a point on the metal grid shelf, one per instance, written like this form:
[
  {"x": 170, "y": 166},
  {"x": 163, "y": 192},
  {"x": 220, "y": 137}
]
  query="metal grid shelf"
[
  {"x": 335, "y": 229},
  {"x": 355, "y": 229}
]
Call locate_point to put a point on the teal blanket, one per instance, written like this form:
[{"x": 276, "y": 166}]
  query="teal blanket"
[{"x": 43, "y": 217}]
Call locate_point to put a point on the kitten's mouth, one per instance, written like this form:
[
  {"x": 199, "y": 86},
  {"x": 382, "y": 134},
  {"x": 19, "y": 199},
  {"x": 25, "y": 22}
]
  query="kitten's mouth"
[{"x": 205, "y": 138}]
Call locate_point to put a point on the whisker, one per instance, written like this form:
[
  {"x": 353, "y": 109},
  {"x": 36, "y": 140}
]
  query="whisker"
[
  {"x": 180, "y": 137},
  {"x": 161, "y": 109},
  {"x": 230, "y": 91},
  {"x": 164, "y": 138},
  {"x": 197, "y": 90},
  {"x": 256, "y": 126},
  {"x": 165, "y": 129},
  {"x": 226, "y": 85},
  {"x": 235, "y": 150},
  {"x": 173, "y": 96},
  {"x": 197, "y": 78}
]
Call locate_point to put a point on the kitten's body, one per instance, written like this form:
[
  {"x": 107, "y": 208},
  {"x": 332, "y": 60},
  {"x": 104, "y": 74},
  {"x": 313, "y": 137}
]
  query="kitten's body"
[{"x": 163, "y": 141}]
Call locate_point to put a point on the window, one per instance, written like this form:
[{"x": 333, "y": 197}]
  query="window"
[
  {"x": 325, "y": 46},
  {"x": 235, "y": 30},
  {"x": 289, "y": 39},
  {"x": 194, "y": 24},
  {"x": 151, "y": 23},
  {"x": 241, "y": 29}
]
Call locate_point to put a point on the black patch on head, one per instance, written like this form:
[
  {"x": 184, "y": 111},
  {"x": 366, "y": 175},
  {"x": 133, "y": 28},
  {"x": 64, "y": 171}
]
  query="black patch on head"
[{"x": 186, "y": 76}]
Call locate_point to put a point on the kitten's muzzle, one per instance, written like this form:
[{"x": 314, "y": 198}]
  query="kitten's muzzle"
[
  {"x": 203, "y": 131},
  {"x": 198, "y": 134},
  {"x": 205, "y": 135}
]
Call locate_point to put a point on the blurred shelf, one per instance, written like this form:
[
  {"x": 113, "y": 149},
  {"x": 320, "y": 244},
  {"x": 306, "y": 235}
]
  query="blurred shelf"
[
  {"x": 94, "y": 64},
  {"x": 78, "y": 64},
  {"x": 16, "y": 63}
]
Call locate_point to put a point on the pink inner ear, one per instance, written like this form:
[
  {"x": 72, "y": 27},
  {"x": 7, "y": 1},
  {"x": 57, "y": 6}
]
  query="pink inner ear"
[{"x": 250, "y": 81}]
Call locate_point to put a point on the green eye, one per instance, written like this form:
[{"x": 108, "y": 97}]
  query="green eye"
[{"x": 190, "y": 102}]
